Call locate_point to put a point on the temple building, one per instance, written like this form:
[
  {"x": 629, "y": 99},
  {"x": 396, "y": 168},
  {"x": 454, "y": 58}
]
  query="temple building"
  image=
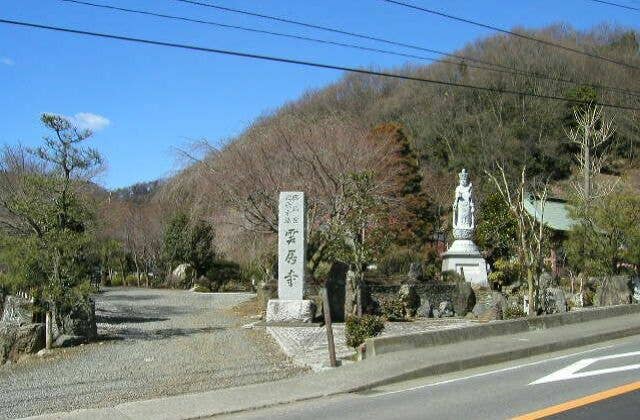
[{"x": 557, "y": 218}]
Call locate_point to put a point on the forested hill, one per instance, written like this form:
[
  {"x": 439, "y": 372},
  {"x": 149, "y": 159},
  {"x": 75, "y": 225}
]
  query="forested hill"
[
  {"x": 138, "y": 192},
  {"x": 449, "y": 127}
]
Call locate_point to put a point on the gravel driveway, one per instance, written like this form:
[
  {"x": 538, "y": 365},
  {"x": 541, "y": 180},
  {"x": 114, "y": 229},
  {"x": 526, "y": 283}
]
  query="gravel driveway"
[{"x": 153, "y": 343}]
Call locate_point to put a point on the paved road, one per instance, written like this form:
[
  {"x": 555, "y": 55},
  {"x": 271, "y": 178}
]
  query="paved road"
[
  {"x": 154, "y": 343},
  {"x": 496, "y": 392},
  {"x": 626, "y": 406}
]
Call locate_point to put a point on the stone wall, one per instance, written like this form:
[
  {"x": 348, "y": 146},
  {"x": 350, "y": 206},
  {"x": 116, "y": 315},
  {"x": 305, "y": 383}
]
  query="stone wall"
[
  {"x": 379, "y": 288},
  {"x": 432, "y": 292},
  {"x": 613, "y": 290}
]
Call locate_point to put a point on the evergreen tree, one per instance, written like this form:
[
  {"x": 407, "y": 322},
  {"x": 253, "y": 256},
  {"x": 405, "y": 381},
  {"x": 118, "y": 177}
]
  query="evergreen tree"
[
  {"x": 192, "y": 243},
  {"x": 48, "y": 216},
  {"x": 414, "y": 216}
]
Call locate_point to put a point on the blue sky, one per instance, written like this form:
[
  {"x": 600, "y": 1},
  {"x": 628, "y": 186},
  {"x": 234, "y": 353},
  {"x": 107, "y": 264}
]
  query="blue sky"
[{"x": 146, "y": 101}]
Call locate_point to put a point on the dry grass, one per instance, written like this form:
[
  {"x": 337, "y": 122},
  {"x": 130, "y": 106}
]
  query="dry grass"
[{"x": 247, "y": 308}]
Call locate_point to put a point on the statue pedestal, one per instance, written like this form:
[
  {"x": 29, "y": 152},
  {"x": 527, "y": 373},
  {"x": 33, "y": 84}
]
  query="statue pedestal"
[{"x": 464, "y": 258}]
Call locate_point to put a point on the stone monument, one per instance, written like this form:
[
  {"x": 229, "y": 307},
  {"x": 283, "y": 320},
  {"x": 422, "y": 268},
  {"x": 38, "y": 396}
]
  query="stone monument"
[
  {"x": 463, "y": 256},
  {"x": 292, "y": 246}
]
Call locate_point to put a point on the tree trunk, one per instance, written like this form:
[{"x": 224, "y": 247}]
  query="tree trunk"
[
  {"x": 587, "y": 171},
  {"x": 123, "y": 272},
  {"x": 351, "y": 295},
  {"x": 532, "y": 292},
  {"x": 359, "y": 279},
  {"x": 135, "y": 261}
]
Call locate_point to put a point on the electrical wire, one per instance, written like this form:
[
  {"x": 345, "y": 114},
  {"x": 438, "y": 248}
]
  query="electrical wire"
[{"x": 307, "y": 63}]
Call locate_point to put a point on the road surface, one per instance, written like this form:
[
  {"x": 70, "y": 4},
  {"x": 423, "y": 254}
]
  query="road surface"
[{"x": 569, "y": 384}]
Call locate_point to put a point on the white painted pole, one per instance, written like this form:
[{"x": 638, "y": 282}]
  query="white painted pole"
[{"x": 48, "y": 332}]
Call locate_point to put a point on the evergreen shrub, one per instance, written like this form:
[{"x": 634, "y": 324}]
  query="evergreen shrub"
[{"x": 357, "y": 329}]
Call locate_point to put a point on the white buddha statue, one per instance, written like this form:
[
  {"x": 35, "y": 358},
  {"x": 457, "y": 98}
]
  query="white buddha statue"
[{"x": 463, "y": 208}]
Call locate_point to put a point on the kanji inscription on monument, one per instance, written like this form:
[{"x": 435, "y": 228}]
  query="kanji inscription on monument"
[{"x": 291, "y": 245}]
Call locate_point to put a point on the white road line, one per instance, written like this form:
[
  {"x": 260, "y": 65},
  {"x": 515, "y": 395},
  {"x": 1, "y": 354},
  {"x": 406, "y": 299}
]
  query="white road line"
[
  {"x": 477, "y": 375},
  {"x": 573, "y": 371}
]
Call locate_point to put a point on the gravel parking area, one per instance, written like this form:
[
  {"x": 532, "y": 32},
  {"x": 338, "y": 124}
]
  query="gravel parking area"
[{"x": 153, "y": 343}]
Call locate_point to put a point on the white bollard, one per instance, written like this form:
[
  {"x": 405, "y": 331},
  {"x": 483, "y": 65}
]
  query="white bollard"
[{"x": 47, "y": 331}]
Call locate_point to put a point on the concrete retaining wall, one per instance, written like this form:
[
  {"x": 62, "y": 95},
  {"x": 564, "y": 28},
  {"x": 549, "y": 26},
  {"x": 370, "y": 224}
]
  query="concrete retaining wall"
[{"x": 381, "y": 345}]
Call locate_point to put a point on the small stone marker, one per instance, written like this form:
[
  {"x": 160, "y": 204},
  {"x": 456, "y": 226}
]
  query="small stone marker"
[{"x": 292, "y": 247}]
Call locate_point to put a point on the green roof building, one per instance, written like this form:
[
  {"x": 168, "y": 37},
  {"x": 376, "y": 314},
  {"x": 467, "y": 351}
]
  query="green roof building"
[{"x": 554, "y": 214}]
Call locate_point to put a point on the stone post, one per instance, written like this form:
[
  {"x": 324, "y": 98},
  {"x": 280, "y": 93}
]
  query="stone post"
[
  {"x": 48, "y": 331},
  {"x": 292, "y": 247}
]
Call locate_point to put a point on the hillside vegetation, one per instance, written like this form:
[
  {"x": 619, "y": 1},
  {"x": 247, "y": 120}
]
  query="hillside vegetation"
[
  {"x": 377, "y": 158},
  {"x": 308, "y": 143}
]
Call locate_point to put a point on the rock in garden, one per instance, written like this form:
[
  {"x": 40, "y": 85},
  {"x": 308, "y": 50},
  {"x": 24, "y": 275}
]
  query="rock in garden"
[
  {"x": 65, "y": 340},
  {"x": 410, "y": 300},
  {"x": 350, "y": 294},
  {"x": 478, "y": 308},
  {"x": 336, "y": 281},
  {"x": 7, "y": 337},
  {"x": 554, "y": 301},
  {"x": 613, "y": 290},
  {"x": 491, "y": 314},
  {"x": 464, "y": 300},
  {"x": 576, "y": 300},
  {"x": 424, "y": 310},
  {"x": 635, "y": 286},
  {"x": 445, "y": 309},
  {"x": 29, "y": 338},
  {"x": 17, "y": 339},
  {"x": 514, "y": 301},
  {"x": 545, "y": 281},
  {"x": 183, "y": 275},
  {"x": 415, "y": 272},
  {"x": 489, "y": 304},
  {"x": 80, "y": 320}
]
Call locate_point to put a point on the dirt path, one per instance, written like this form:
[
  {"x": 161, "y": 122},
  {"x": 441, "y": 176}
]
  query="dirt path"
[{"x": 155, "y": 342}]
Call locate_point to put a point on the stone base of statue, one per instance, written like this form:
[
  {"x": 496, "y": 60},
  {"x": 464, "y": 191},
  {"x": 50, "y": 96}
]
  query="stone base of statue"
[
  {"x": 280, "y": 310},
  {"x": 464, "y": 258}
]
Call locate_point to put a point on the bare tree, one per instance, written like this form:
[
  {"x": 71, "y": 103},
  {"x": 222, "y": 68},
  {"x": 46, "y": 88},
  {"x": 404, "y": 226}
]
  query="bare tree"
[
  {"x": 238, "y": 184},
  {"x": 592, "y": 135},
  {"x": 530, "y": 228}
]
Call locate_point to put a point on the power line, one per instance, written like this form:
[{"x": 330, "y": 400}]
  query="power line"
[
  {"x": 509, "y": 69},
  {"x": 340, "y": 31},
  {"x": 616, "y": 4},
  {"x": 306, "y": 63},
  {"x": 248, "y": 29},
  {"x": 341, "y": 44},
  {"x": 504, "y": 31}
]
